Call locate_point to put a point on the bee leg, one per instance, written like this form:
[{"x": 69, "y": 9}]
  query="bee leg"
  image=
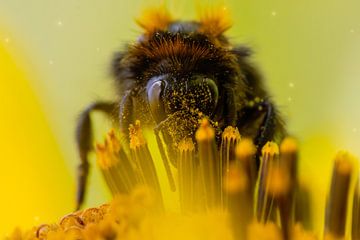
[
  {"x": 230, "y": 109},
  {"x": 267, "y": 128},
  {"x": 262, "y": 123},
  {"x": 84, "y": 143},
  {"x": 126, "y": 113}
]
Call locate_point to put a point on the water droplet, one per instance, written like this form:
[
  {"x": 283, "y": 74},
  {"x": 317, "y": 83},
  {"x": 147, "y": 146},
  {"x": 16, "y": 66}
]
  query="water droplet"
[
  {"x": 51, "y": 62},
  {"x": 291, "y": 85},
  {"x": 59, "y": 23},
  {"x": 7, "y": 40},
  {"x": 354, "y": 130},
  {"x": 352, "y": 30},
  {"x": 273, "y": 13},
  {"x": 290, "y": 99}
]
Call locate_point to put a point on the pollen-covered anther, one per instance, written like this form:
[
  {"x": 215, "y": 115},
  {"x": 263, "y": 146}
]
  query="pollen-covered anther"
[
  {"x": 141, "y": 156},
  {"x": 107, "y": 153},
  {"x": 271, "y": 149},
  {"x": 104, "y": 157},
  {"x": 229, "y": 140},
  {"x": 209, "y": 165},
  {"x": 231, "y": 134},
  {"x": 136, "y": 136},
  {"x": 187, "y": 175},
  {"x": 116, "y": 167},
  {"x": 205, "y": 131},
  {"x": 112, "y": 142},
  {"x": 186, "y": 145},
  {"x": 265, "y": 199}
]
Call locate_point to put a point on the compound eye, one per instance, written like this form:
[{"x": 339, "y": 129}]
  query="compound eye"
[
  {"x": 213, "y": 92},
  {"x": 154, "y": 89},
  {"x": 206, "y": 93}
]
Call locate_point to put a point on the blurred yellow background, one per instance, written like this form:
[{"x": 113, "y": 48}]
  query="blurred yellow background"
[{"x": 55, "y": 57}]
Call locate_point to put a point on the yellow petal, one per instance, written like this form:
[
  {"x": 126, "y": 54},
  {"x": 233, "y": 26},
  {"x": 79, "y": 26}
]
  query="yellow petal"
[{"x": 33, "y": 175}]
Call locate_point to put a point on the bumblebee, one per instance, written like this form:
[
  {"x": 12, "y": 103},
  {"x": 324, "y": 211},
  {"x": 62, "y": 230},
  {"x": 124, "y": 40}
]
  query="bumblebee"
[{"x": 178, "y": 72}]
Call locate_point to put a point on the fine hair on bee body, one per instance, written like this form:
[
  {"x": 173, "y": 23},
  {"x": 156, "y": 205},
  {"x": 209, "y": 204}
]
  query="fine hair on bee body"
[{"x": 177, "y": 73}]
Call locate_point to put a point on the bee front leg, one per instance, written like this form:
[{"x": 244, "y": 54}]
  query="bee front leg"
[
  {"x": 272, "y": 126},
  {"x": 262, "y": 123},
  {"x": 127, "y": 109},
  {"x": 84, "y": 143},
  {"x": 230, "y": 109},
  {"x": 266, "y": 130}
]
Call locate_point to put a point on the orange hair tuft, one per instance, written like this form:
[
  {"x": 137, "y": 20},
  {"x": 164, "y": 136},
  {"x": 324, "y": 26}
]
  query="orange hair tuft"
[
  {"x": 156, "y": 18},
  {"x": 215, "y": 21}
]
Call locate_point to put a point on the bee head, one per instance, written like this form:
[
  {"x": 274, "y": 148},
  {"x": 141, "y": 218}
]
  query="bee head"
[{"x": 181, "y": 68}]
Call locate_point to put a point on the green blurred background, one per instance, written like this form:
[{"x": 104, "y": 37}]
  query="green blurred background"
[{"x": 60, "y": 51}]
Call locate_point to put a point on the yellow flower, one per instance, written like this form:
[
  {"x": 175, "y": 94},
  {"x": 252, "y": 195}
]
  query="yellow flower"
[{"x": 220, "y": 193}]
